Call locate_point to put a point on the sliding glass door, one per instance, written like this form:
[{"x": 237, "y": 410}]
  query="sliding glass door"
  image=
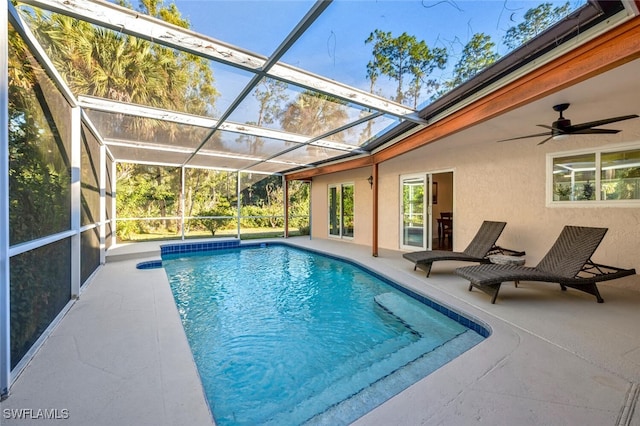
[
  {"x": 341, "y": 210},
  {"x": 415, "y": 211}
]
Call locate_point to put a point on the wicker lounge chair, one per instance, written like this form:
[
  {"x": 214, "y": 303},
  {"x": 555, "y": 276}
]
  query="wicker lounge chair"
[
  {"x": 478, "y": 250},
  {"x": 567, "y": 263}
]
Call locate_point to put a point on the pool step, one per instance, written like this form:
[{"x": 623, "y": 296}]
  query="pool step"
[
  {"x": 351, "y": 409},
  {"x": 415, "y": 316},
  {"x": 310, "y": 386},
  {"x": 346, "y": 379}
]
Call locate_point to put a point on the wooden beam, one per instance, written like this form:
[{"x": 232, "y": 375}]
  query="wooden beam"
[
  {"x": 285, "y": 183},
  {"x": 331, "y": 168},
  {"x": 374, "y": 234}
]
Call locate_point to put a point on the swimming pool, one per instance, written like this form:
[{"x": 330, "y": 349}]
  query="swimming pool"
[{"x": 286, "y": 336}]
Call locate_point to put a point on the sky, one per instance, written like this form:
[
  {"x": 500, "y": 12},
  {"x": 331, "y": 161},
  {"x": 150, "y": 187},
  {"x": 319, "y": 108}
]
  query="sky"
[{"x": 334, "y": 47}]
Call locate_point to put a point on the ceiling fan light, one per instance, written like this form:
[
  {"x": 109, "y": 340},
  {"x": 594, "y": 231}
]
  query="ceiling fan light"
[{"x": 560, "y": 137}]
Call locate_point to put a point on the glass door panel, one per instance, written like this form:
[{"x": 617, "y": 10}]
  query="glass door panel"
[
  {"x": 347, "y": 211},
  {"x": 334, "y": 212},
  {"x": 414, "y": 213}
]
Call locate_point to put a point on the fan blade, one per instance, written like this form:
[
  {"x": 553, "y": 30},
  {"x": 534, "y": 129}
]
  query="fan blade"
[
  {"x": 547, "y": 139},
  {"x": 582, "y": 126},
  {"x": 525, "y": 137},
  {"x": 545, "y": 126},
  {"x": 594, "y": 131}
]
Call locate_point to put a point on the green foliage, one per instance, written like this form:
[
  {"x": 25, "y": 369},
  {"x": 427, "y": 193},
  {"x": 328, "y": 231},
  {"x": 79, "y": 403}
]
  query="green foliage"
[
  {"x": 299, "y": 206},
  {"x": 477, "y": 55},
  {"x": 100, "y": 62},
  {"x": 588, "y": 191},
  {"x": 210, "y": 198},
  {"x": 39, "y": 169},
  {"x": 313, "y": 113},
  {"x": 563, "y": 191},
  {"x": 146, "y": 191},
  {"x": 536, "y": 20},
  {"x": 401, "y": 58},
  {"x": 217, "y": 218}
]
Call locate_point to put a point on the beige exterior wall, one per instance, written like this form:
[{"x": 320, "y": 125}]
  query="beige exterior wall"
[
  {"x": 363, "y": 198},
  {"x": 492, "y": 181}
]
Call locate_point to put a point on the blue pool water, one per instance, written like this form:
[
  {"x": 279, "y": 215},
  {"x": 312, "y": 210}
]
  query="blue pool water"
[{"x": 284, "y": 336}]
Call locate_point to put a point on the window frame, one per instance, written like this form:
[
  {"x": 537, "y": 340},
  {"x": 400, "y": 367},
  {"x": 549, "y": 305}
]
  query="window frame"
[{"x": 598, "y": 201}]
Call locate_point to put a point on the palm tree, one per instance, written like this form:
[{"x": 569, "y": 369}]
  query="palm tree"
[{"x": 100, "y": 62}]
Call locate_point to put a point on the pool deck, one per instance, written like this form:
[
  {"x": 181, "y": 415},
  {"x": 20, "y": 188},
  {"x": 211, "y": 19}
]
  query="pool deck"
[{"x": 120, "y": 357}]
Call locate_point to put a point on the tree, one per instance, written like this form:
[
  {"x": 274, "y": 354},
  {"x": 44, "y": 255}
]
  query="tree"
[
  {"x": 536, "y": 20},
  {"x": 401, "y": 58},
  {"x": 477, "y": 55},
  {"x": 217, "y": 217},
  {"x": 100, "y": 62},
  {"x": 313, "y": 113},
  {"x": 270, "y": 94}
]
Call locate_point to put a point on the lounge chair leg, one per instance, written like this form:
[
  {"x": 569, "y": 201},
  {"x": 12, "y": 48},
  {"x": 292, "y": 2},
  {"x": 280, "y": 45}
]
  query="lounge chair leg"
[
  {"x": 495, "y": 295},
  {"x": 590, "y": 288},
  {"x": 428, "y": 269},
  {"x": 490, "y": 289}
]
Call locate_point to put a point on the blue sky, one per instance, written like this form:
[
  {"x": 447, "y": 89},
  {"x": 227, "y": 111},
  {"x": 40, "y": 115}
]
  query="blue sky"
[{"x": 334, "y": 46}]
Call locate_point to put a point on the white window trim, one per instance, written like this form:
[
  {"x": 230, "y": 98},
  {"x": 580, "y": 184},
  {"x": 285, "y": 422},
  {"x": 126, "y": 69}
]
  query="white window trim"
[{"x": 598, "y": 151}]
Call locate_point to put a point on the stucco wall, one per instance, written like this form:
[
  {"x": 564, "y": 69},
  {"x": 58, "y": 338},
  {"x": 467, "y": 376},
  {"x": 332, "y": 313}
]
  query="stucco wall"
[{"x": 492, "y": 181}]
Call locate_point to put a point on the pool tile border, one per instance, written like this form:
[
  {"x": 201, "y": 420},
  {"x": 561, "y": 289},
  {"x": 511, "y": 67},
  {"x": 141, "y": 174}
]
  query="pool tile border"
[
  {"x": 201, "y": 247},
  {"x": 198, "y": 247},
  {"x": 150, "y": 264}
]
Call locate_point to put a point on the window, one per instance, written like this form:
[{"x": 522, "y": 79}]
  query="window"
[
  {"x": 620, "y": 175},
  {"x": 610, "y": 177},
  {"x": 341, "y": 210}
]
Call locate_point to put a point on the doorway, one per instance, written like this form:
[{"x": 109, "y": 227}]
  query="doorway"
[
  {"x": 425, "y": 198},
  {"x": 443, "y": 219}
]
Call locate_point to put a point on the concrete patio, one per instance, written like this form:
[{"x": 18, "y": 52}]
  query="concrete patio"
[{"x": 120, "y": 356}]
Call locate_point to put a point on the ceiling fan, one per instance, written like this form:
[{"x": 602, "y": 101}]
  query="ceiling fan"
[{"x": 562, "y": 126}]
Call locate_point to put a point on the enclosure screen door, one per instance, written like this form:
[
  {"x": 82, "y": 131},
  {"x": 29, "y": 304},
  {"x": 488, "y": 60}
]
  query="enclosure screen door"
[{"x": 414, "y": 211}]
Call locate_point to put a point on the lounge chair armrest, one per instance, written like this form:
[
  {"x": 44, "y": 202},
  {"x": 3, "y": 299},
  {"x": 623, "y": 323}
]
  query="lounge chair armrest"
[
  {"x": 505, "y": 251},
  {"x": 605, "y": 271}
]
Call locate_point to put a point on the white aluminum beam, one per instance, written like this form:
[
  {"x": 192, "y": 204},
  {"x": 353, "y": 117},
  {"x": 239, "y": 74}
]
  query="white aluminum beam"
[
  {"x": 114, "y": 107},
  {"x": 5, "y": 311},
  {"x": 76, "y": 203},
  {"x": 103, "y": 203}
]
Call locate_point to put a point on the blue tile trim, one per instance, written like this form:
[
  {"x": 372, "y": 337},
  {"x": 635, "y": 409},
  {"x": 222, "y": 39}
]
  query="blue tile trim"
[
  {"x": 150, "y": 264},
  {"x": 184, "y": 248},
  {"x": 221, "y": 245}
]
